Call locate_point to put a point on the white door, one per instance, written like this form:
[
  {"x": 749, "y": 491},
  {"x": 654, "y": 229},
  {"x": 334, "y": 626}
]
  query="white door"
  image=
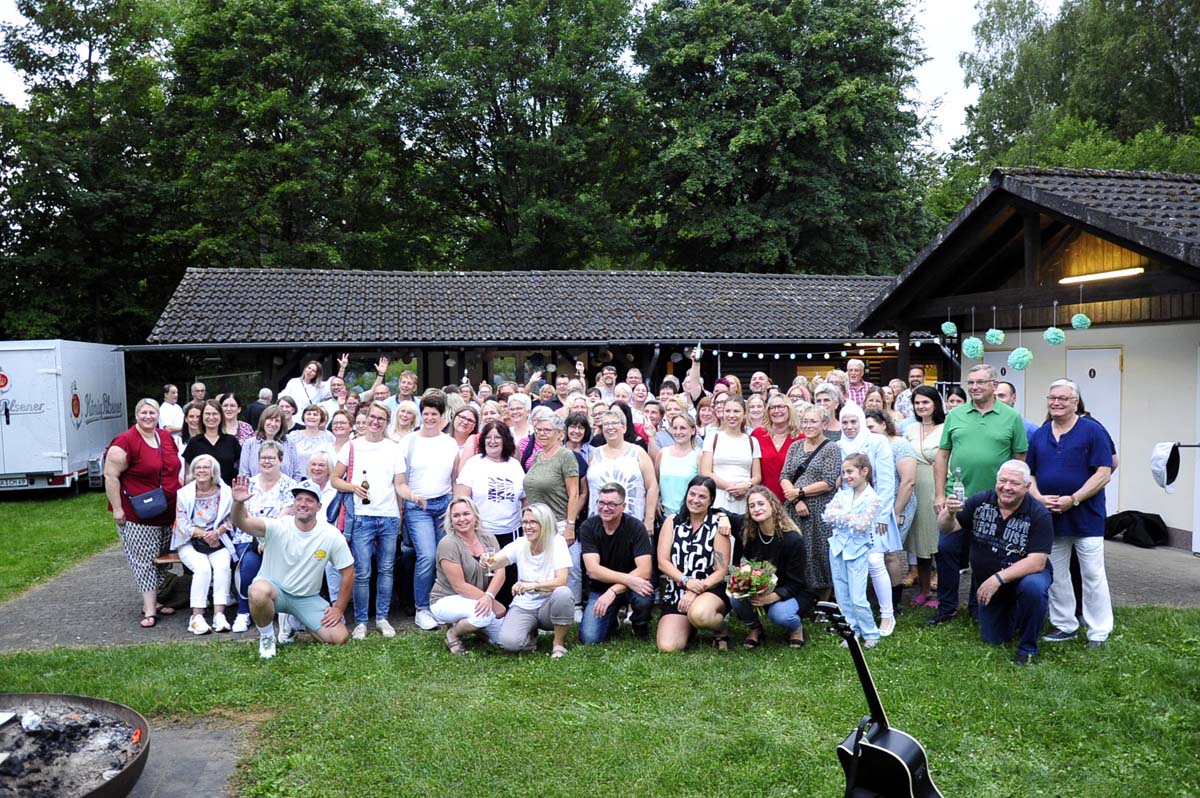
[
  {"x": 1097, "y": 372},
  {"x": 29, "y": 413},
  {"x": 999, "y": 361}
]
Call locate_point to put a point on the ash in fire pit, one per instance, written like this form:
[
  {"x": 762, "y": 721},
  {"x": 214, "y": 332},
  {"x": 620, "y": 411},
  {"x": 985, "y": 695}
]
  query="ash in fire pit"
[{"x": 61, "y": 751}]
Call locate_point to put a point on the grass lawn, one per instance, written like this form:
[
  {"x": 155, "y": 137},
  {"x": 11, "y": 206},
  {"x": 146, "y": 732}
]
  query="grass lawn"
[
  {"x": 402, "y": 717},
  {"x": 42, "y": 536}
]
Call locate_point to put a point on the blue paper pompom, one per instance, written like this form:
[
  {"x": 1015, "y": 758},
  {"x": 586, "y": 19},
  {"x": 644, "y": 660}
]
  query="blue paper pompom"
[
  {"x": 1080, "y": 321},
  {"x": 994, "y": 337},
  {"x": 1054, "y": 336},
  {"x": 1020, "y": 358},
  {"x": 972, "y": 347},
  {"x": 949, "y": 328}
]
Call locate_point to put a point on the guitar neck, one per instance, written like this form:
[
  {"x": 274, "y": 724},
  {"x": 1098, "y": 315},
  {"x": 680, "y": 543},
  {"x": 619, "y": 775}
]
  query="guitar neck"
[{"x": 842, "y": 628}]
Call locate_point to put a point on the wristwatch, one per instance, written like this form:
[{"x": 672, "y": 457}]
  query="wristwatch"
[{"x": 1074, "y": 501}]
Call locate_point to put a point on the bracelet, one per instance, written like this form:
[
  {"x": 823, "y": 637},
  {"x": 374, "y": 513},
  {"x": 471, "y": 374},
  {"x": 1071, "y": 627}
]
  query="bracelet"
[
  {"x": 999, "y": 578},
  {"x": 490, "y": 594}
]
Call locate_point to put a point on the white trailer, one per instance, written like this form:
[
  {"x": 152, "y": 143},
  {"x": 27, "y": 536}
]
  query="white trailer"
[{"x": 61, "y": 404}]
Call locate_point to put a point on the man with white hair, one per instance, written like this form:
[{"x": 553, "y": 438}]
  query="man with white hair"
[
  {"x": 1071, "y": 461},
  {"x": 856, "y": 386},
  {"x": 1012, "y": 535},
  {"x": 254, "y": 411}
]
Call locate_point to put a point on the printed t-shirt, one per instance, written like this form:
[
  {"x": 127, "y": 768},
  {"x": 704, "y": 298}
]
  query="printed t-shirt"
[{"x": 294, "y": 560}]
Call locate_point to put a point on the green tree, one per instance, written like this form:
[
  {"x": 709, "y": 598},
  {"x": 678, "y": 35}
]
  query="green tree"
[
  {"x": 285, "y": 139},
  {"x": 524, "y": 123},
  {"x": 80, "y": 192},
  {"x": 786, "y": 143}
]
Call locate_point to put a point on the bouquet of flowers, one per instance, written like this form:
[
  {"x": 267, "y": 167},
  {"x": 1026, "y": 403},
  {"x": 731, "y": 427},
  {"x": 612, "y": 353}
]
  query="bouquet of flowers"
[{"x": 752, "y": 578}]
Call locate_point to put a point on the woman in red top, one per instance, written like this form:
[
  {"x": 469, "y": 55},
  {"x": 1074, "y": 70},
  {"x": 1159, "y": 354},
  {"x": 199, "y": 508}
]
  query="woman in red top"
[
  {"x": 775, "y": 437},
  {"x": 139, "y": 460}
]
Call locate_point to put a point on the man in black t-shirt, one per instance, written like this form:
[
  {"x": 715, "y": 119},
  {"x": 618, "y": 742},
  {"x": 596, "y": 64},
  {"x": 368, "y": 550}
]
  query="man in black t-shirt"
[
  {"x": 617, "y": 555},
  {"x": 1010, "y": 550}
]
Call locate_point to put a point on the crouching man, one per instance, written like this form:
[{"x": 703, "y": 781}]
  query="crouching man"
[
  {"x": 295, "y": 550},
  {"x": 1010, "y": 548}
]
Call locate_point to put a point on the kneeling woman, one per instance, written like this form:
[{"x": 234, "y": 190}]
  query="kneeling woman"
[
  {"x": 541, "y": 598},
  {"x": 201, "y": 536},
  {"x": 694, "y": 556},
  {"x": 464, "y": 589},
  {"x": 769, "y": 534}
]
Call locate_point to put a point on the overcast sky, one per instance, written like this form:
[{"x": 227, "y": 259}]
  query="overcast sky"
[{"x": 945, "y": 30}]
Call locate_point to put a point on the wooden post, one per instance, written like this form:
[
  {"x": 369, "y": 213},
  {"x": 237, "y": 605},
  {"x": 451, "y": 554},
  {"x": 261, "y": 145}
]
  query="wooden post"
[
  {"x": 902, "y": 333},
  {"x": 1033, "y": 249}
]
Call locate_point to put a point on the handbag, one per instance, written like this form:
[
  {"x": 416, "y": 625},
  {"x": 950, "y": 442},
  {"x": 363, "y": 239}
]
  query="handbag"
[
  {"x": 153, "y": 503},
  {"x": 340, "y": 512}
]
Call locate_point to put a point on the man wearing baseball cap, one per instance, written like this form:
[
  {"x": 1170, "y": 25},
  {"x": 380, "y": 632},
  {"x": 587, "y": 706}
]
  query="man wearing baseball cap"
[{"x": 295, "y": 550}]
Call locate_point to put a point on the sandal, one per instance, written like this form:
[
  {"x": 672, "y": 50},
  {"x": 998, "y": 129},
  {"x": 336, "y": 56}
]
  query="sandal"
[
  {"x": 753, "y": 642},
  {"x": 559, "y": 652},
  {"x": 455, "y": 646},
  {"x": 797, "y": 642},
  {"x": 165, "y": 610},
  {"x": 721, "y": 642},
  {"x": 148, "y": 621}
]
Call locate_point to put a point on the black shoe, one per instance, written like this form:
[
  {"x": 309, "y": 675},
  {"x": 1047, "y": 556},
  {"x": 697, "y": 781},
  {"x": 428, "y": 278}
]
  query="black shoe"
[
  {"x": 1021, "y": 659},
  {"x": 641, "y": 632},
  {"x": 939, "y": 619}
]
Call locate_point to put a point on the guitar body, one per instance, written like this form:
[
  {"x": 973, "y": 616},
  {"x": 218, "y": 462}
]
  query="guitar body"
[
  {"x": 879, "y": 761},
  {"x": 891, "y": 765}
]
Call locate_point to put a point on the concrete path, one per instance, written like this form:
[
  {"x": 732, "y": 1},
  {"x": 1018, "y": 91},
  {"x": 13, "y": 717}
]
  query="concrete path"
[{"x": 193, "y": 757}]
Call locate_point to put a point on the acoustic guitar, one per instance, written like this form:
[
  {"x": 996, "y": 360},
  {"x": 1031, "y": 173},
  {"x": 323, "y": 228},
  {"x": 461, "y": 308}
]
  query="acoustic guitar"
[{"x": 879, "y": 761}]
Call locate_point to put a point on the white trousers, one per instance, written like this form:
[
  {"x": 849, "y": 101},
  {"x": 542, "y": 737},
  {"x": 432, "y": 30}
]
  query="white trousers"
[
  {"x": 1097, "y": 603},
  {"x": 208, "y": 570},
  {"x": 882, "y": 583},
  {"x": 452, "y": 609}
]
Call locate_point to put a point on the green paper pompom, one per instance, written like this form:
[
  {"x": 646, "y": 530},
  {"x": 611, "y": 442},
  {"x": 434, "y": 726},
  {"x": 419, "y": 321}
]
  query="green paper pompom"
[
  {"x": 1080, "y": 321},
  {"x": 994, "y": 337},
  {"x": 1020, "y": 358},
  {"x": 1054, "y": 336},
  {"x": 949, "y": 328},
  {"x": 972, "y": 347}
]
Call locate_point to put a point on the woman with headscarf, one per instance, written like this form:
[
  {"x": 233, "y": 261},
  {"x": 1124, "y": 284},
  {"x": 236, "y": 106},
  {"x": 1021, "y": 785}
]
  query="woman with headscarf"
[{"x": 856, "y": 439}]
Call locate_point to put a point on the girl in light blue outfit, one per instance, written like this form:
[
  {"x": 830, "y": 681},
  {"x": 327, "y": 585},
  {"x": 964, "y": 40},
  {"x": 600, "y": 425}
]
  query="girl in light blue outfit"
[
  {"x": 856, "y": 439},
  {"x": 853, "y": 514}
]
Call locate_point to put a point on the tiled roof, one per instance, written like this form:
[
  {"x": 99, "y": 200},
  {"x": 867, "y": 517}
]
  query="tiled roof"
[
  {"x": 296, "y": 306},
  {"x": 1157, "y": 210}
]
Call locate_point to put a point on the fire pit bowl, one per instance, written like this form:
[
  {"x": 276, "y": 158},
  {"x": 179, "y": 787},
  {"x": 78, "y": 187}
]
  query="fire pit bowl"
[{"x": 109, "y": 742}]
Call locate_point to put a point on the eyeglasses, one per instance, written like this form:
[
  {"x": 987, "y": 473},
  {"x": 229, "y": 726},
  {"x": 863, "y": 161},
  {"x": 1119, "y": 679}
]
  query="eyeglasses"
[
  {"x": 1060, "y": 400},
  {"x": 978, "y": 383},
  {"x": 608, "y": 505},
  {"x": 543, "y": 430},
  {"x": 378, "y": 419},
  {"x": 493, "y": 439},
  {"x": 530, "y": 524}
]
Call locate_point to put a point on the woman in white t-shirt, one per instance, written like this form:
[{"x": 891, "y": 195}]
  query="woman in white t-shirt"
[
  {"x": 732, "y": 458},
  {"x": 494, "y": 481},
  {"x": 541, "y": 598},
  {"x": 426, "y": 485}
]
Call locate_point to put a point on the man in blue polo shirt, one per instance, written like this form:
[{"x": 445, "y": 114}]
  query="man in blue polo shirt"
[
  {"x": 976, "y": 438},
  {"x": 1071, "y": 460},
  {"x": 1011, "y": 539}
]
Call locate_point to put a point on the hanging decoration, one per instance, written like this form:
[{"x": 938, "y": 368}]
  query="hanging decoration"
[
  {"x": 994, "y": 336},
  {"x": 949, "y": 328},
  {"x": 972, "y": 347},
  {"x": 1080, "y": 321},
  {"x": 1020, "y": 358},
  {"x": 1053, "y": 335}
]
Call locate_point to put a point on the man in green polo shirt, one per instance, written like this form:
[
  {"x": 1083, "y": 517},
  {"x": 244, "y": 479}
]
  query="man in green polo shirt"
[{"x": 977, "y": 438}]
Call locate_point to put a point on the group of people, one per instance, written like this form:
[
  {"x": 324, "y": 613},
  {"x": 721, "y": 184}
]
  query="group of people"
[{"x": 514, "y": 509}]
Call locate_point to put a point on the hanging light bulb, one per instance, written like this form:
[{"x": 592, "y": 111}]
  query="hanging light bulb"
[
  {"x": 809, "y": 355},
  {"x": 745, "y": 355},
  {"x": 794, "y": 355},
  {"x": 826, "y": 355},
  {"x": 760, "y": 355}
]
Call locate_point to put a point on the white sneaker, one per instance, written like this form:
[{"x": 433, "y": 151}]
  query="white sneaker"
[
  {"x": 220, "y": 622},
  {"x": 886, "y": 626},
  {"x": 360, "y": 632},
  {"x": 286, "y": 633},
  {"x": 870, "y": 642},
  {"x": 241, "y": 623},
  {"x": 384, "y": 627},
  {"x": 578, "y": 613},
  {"x": 266, "y": 647},
  {"x": 198, "y": 626},
  {"x": 426, "y": 621}
]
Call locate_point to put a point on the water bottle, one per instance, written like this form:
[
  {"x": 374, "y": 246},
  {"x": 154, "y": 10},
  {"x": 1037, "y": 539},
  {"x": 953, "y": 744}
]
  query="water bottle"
[{"x": 959, "y": 489}]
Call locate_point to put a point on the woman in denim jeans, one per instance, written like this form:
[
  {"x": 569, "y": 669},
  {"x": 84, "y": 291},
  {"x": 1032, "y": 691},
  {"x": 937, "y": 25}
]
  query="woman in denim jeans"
[{"x": 431, "y": 466}]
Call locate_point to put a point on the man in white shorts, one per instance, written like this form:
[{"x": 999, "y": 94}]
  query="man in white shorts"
[{"x": 295, "y": 550}]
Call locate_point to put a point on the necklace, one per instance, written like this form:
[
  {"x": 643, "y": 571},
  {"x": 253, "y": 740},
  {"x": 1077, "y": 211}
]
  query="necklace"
[{"x": 767, "y": 540}]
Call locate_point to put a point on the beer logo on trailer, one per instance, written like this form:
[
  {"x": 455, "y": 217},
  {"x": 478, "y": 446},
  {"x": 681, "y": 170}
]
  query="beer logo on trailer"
[
  {"x": 3, "y": 380},
  {"x": 76, "y": 406}
]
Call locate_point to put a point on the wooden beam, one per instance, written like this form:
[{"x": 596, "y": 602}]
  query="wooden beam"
[
  {"x": 902, "y": 352},
  {"x": 1033, "y": 248},
  {"x": 1146, "y": 285}
]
